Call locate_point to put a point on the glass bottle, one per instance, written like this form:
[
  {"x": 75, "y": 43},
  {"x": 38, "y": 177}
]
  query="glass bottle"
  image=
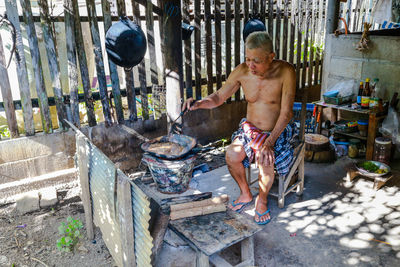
[
  {"x": 365, "y": 96},
  {"x": 360, "y": 92}
]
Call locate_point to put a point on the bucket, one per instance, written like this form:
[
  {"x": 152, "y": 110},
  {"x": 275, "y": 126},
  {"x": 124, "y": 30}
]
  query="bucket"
[{"x": 170, "y": 176}]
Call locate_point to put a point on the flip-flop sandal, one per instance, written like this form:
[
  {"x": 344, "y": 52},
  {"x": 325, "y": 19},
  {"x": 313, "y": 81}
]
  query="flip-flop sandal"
[
  {"x": 260, "y": 215},
  {"x": 244, "y": 204}
]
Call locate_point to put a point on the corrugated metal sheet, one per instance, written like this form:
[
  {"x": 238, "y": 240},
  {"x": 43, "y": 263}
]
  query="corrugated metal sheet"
[
  {"x": 141, "y": 217},
  {"x": 102, "y": 174},
  {"x": 102, "y": 182}
]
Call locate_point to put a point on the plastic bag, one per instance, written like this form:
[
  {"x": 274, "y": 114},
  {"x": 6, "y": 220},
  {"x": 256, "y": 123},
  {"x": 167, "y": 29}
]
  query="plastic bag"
[
  {"x": 345, "y": 88},
  {"x": 390, "y": 126}
]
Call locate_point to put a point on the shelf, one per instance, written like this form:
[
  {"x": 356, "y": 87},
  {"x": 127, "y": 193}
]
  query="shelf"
[{"x": 355, "y": 135}]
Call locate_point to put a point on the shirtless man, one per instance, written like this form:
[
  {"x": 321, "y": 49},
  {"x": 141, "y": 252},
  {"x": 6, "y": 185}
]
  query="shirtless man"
[{"x": 269, "y": 87}]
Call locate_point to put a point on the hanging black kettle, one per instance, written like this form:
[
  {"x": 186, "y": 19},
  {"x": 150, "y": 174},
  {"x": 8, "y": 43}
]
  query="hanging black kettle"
[
  {"x": 126, "y": 43},
  {"x": 253, "y": 25}
]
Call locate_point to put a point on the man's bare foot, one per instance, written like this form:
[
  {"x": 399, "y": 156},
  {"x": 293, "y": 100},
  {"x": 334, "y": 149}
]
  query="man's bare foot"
[
  {"x": 261, "y": 216},
  {"x": 240, "y": 202}
]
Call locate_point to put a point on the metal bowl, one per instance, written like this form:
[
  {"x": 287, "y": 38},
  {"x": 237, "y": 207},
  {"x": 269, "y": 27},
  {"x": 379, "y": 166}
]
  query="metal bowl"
[
  {"x": 187, "y": 142},
  {"x": 372, "y": 174}
]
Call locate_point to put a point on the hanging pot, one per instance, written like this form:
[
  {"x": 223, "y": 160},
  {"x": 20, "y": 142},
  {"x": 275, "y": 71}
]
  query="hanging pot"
[{"x": 126, "y": 43}]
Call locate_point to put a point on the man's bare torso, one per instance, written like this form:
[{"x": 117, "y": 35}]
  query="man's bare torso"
[{"x": 263, "y": 95}]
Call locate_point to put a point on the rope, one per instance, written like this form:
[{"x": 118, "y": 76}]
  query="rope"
[{"x": 4, "y": 20}]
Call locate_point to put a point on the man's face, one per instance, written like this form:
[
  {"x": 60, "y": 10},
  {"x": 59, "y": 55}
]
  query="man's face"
[{"x": 258, "y": 60}]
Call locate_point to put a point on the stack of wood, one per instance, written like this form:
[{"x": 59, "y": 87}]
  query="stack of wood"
[
  {"x": 196, "y": 208},
  {"x": 318, "y": 148}
]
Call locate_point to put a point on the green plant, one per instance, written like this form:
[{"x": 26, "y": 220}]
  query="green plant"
[
  {"x": 71, "y": 234},
  {"x": 4, "y": 131}
]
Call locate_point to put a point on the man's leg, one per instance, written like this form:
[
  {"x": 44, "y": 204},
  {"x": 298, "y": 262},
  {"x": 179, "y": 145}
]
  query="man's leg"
[
  {"x": 234, "y": 156},
  {"x": 265, "y": 181}
]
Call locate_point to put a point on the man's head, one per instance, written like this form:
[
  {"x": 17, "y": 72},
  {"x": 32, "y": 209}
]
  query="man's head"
[{"x": 259, "y": 52}]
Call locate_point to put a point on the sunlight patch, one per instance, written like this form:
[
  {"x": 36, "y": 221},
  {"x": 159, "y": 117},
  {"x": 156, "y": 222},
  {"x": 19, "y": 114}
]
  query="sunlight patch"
[{"x": 353, "y": 243}]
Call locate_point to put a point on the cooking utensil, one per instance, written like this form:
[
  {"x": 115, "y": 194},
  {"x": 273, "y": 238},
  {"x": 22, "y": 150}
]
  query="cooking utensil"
[
  {"x": 187, "y": 142},
  {"x": 182, "y": 112}
]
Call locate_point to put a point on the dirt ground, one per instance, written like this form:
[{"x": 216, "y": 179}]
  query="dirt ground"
[{"x": 30, "y": 239}]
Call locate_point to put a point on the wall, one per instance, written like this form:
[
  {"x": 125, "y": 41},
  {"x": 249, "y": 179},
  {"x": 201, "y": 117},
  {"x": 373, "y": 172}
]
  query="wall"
[{"x": 342, "y": 61}]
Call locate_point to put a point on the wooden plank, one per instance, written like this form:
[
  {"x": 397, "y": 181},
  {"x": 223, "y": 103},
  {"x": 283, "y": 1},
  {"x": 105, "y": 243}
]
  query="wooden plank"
[
  {"x": 208, "y": 40},
  {"x": 311, "y": 40},
  {"x": 202, "y": 259},
  {"x": 299, "y": 40},
  {"x": 237, "y": 40},
  {"x": 292, "y": 29},
  {"x": 228, "y": 45},
  {"x": 151, "y": 43},
  {"x": 22, "y": 74},
  {"x": 197, "y": 48},
  {"x": 372, "y": 128},
  {"x": 130, "y": 86},
  {"x": 214, "y": 232},
  {"x": 247, "y": 249},
  {"x": 278, "y": 32},
  {"x": 72, "y": 64},
  {"x": 37, "y": 67},
  {"x": 83, "y": 153},
  {"x": 285, "y": 29},
  {"x": 125, "y": 216},
  {"x": 218, "y": 41},
  {"x": 116, "y": 92},
  {"x": 187, "y": 51},
  {"x": 101, "y": 76},
  {"x": 7, "y": 95},
  {"x": 271, "y": 18},
  {"x": 80, "y": 49},
  {"x": 53, "y": 64},
  {"x": 141, "y": 67},
  {"x": 173, "y": 64},
  {"x": 262, "y": 10},
  {"x": 246, "y": 10},
  {"x": 305, "y": 48}
]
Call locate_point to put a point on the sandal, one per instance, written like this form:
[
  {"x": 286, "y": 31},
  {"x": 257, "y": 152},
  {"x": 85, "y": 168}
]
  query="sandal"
[{"x": 260, "y": 215}]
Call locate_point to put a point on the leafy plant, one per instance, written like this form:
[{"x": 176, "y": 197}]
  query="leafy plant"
[
  {"x": 71, "y": 234},
  {"x": 4, "y": 131}
]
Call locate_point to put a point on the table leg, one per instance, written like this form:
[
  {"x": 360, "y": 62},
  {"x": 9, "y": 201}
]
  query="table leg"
[
  {"x": 247, "y": 249},
  {"x": 372, "y": 124},
  {"x": 202, "y": 259}
]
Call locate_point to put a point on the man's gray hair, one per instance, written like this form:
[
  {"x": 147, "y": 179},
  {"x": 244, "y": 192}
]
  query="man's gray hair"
[{"x": 259, "y": 40}]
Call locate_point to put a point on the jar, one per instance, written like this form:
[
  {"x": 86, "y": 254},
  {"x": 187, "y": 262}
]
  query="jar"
[
  {"x": 382, "y": 149},
  {"x": 363, "y": 127},
  {"x": 353, "y": 148}
]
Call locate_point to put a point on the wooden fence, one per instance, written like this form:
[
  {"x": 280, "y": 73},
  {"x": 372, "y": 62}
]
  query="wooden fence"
[{"x": 215, "y": 48}]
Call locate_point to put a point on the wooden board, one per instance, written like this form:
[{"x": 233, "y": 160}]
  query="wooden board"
[{"x": 214, "y": 232}]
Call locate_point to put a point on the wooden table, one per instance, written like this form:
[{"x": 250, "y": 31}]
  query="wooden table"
[
  {"x": 211, "y": 233},
  {"x": 373, "y": 120}
]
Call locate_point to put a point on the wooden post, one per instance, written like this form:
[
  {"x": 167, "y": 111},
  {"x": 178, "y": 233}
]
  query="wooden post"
[
  {"x": 197, "y": 48},
  {"x": 83, "y": 152},
  {"x": 80, "y": 47},
  {"x": 37, "y": 67},
  {"x": 6, "y": 94},
  {"x": 247, "y": 249},
  {"x": 202, "y": 259},
  {"x": 277, "y": 34},
  {"x": 172, "y": 51},
  {"x": 113, "y": 68},
  {"x": 101, "y": 76},
  {"x": 151, "y": 42},
  {"x": 228, "y": 44},
  {"x": 332, "y": 16},
  {"x": 141, "y": 67},
  {"x": 209, "y": 52},
  {"x": 12, "y": 14},
  {"x": 188, "y": 53},
  {"x": 237, "y": 41},
  {"x": 218, "y": 41},
  {"x": 125, "y": 215},
  {"x": 372, "y": 125},
  {"x": 53, "y": 63},
  {"x": 72, "y": 66}
]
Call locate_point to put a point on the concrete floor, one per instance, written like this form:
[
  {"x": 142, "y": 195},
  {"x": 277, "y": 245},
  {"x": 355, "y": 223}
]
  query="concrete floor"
[{"x": 334, "y": 223}]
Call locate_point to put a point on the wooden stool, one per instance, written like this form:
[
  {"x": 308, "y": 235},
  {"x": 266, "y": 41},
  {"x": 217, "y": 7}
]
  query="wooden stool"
[
  {"x": 380, "y": 181},
  {"x": 212, "y": 233}
]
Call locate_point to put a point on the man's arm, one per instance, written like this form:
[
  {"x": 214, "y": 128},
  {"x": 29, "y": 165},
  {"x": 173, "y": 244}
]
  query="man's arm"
[
  {"x": 218, "y": 98},
  {"x": 286, "y": 113}
]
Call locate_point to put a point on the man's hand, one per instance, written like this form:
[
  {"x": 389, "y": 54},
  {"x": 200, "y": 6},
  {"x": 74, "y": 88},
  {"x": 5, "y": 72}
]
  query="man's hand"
[
  {"x": 265, "y": 155},
  {"x": 189, "y": 105}
]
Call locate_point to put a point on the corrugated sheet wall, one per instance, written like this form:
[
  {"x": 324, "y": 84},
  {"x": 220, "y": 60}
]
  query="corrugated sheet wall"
[{"x": 103, "y": 191}]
